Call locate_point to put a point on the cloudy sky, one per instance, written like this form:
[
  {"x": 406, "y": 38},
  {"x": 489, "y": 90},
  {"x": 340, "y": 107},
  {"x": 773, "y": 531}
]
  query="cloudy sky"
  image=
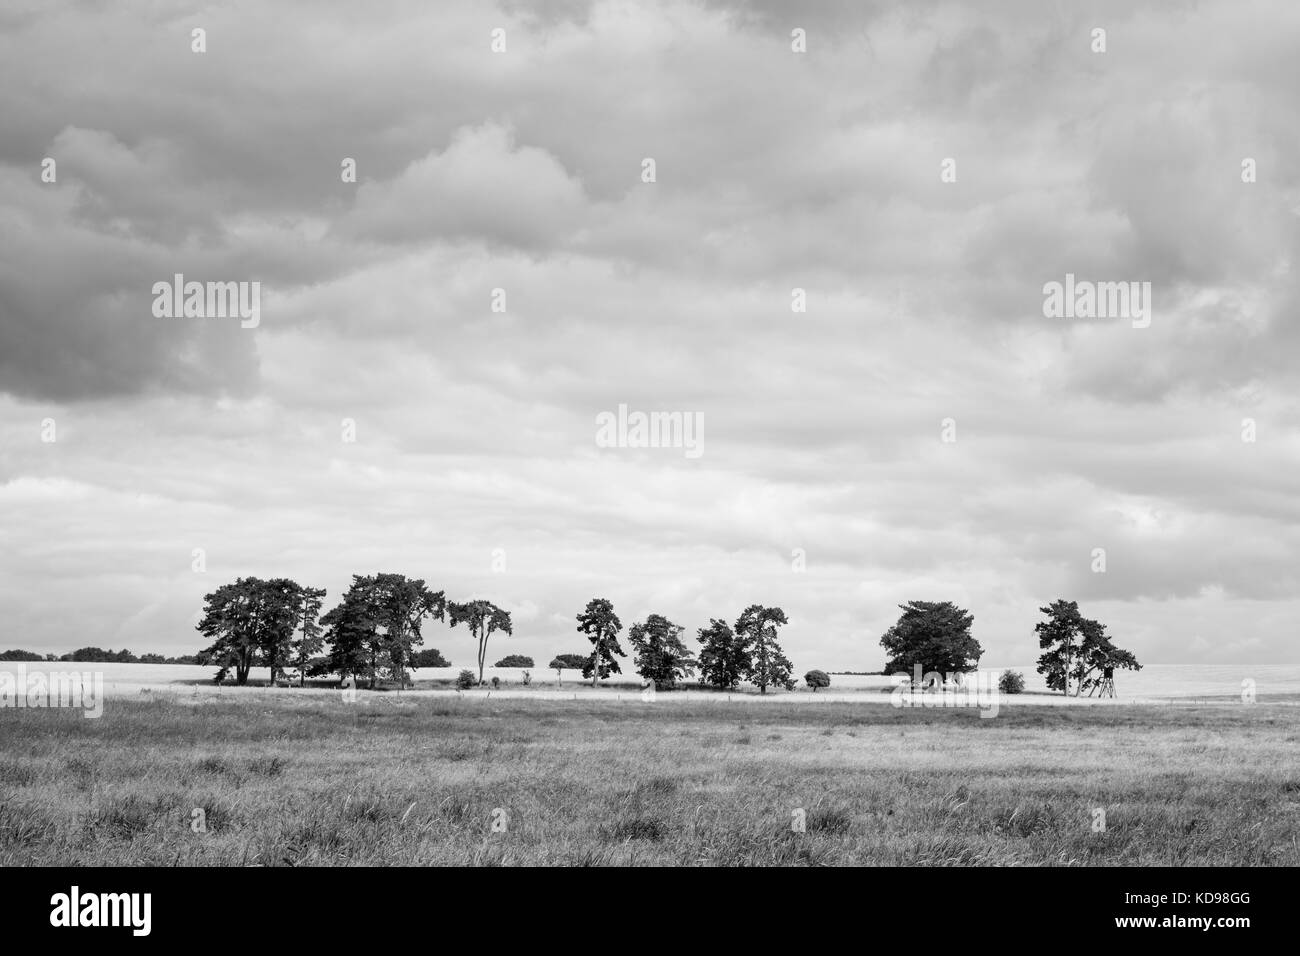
[{"x": 522, "y": 170}]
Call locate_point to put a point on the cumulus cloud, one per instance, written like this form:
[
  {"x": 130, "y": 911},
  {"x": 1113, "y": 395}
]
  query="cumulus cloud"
[{"x": 775, "y": 171}]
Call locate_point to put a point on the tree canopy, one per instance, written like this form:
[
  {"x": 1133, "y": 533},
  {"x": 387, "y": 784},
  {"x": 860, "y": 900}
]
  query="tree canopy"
[
  {"x": 515, "y": 660},
  {"x": 483, "y": 618},
  {"x": 769, "y": 667},
  {"x": 250, "y": 622},
  {"x": 660, "y": 655},
  {"x": 724, "y": 655},
  {"x": 1077, "y": 651},
  {"x": 934, "y": 636},
  {"x": 601, "y": 625},
  {"x": 377, "y": 625}
]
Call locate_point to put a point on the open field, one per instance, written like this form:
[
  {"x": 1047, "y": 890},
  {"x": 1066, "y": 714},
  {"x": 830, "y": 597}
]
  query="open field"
[
  {"x": 1154, "y": 684},
  {"x": 286, "y": 777}
]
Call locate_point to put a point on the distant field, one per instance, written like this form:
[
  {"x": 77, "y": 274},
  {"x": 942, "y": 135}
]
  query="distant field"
[
  {"x": 1163, "y": 683},
  {"x": 290, "y": 778}
]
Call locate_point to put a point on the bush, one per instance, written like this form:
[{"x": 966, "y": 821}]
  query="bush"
[
  {"x": 515, "y": 660},
  {"x": 465, "y": 680},
  {"x": 496, "y": 682},
  {"x": 528, "y": 678},
  {"x": 430, "y": 657},
  {"x": 815, "y": 679},
  {"x": 1011, "y": 682}
]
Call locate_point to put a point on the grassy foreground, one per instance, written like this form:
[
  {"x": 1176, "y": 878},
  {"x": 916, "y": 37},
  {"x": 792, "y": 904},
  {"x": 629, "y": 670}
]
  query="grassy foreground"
[{"x": 304, "y": 778}]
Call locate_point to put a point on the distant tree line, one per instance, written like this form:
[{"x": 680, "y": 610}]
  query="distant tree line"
[
  {"x": 376, "y": 629},
  {"x": 97, "y": 655}
]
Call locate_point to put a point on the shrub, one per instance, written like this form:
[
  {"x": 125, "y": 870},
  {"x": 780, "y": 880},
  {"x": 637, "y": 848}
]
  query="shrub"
[
  {"x": 515, "y": 660},
  {"x": 431, "y": 657},
  {"x": 1011, "y": 682},
  {"x": 815, "y": 679},
  {"x": 465, "y": 679},
  {"x": 496, "y": 682},
  {"x": 528, "y": 678}
]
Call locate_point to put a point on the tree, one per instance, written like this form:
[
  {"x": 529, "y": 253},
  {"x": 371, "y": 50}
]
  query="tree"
[
  {"x": 661, "y": 657},
  {"x": 281, "y": 598},
  {"x": 249, "y": 621},
  {"x": 351, "y": 628},
  {"x": 572, "y": 661},
  {"x": 483, "y": 619},
  {"x": 312, "y": 634},
  {"x": 514, "y": 660},
  {"x": 815, "y": 679},
  {"x": 724, "y": 657},
  {"x": 1076, "y": 649},
  {"x": 377, "y": 625},
  {"x": 934, "y": 636},
  {"x": 429, "y": 657},
  {"x": 402, "y": 604},
  {"x": 770, "y": 668},
  {"x": 601, "y": 625}
]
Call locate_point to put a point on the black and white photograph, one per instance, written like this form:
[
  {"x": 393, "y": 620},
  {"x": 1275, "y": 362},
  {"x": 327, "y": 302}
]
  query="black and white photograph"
[{"x": 650, "y": 433}]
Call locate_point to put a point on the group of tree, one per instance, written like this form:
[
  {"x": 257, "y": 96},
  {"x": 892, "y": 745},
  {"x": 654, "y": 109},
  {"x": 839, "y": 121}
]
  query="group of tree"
[
  {"x": 372, "y": 633},
  {"x": 936, "y": 637},
  {"x": 251, "y": 621},
  {"x": 375, "y": 631},
  {"x": 97, "y": 655},
  {"x": 749, "y": 651}
]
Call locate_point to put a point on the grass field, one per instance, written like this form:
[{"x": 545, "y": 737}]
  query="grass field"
[{"x": 304, "y": 778}]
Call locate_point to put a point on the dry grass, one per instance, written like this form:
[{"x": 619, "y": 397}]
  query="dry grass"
[{"x": 308, "y": 779}]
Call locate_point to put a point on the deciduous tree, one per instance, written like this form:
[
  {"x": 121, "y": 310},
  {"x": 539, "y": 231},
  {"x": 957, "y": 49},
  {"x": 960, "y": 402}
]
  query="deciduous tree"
[
  {"x": 660, "y": 655},
  {"x": 724, "y": 655},
  {"x": 770, "y": 667}
]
